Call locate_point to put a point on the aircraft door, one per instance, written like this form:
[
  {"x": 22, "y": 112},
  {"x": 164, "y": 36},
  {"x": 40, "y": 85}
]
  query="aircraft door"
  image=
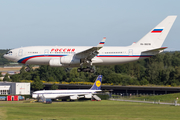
[
  {"x": 46, "y": 52},
  {"x": 130, "y": 52},
  {"x": 20, "y": 52}
]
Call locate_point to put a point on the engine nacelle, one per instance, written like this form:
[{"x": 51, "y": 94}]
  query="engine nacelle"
[
  {"x": 55, "y": 62},
  {"x": 88, "y": 96},
  {"x": 69, "y": 60},
  {"x": 75, "y": 97}
]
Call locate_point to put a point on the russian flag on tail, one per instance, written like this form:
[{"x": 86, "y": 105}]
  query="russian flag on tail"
[
  {"x": 103, "y": 41},
  {"x": 101, "y": 44},
  {"x": 157, "y": 31}
]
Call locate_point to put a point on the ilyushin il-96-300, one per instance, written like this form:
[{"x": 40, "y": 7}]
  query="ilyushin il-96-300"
[{"x": 85, "y": 57}]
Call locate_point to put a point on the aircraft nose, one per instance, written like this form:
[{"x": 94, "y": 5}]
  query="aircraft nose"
[
  {"x": 5, "y": 56},
  {"x": 9, "y": 57}
]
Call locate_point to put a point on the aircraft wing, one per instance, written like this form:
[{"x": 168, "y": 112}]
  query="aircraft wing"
[{"x": 91, "y": 52}]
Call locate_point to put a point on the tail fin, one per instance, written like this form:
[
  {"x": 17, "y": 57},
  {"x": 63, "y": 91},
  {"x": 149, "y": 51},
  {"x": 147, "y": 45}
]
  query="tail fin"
[
  {"x": 156, "y": 37},
  {"x": 97, "y": 83}
]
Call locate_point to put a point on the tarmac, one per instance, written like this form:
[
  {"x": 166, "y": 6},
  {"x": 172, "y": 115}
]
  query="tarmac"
[{"x": 151, "y": 102}]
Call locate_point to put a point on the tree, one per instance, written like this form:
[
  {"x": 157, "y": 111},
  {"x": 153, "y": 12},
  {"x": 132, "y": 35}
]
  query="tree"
[
  {"x": 161, "y": 69},
  {"x": 6, "y": 77},
  {"x": 167, "y": 59},
  {"x": 51, "y": 79},
  {"x": 0, "y": 74},
  {"x": 45, "y": 72},
  {"x": 15, "y": 78},
  {"x": 54, "y": 87},
  {"x": 37, "y": 84},
  {"x": 22, "y": 70},
  {"x": 74, "y": 74},
  {"x": 26, "y": 76},
  {"x": 144, "y": 82},
  {"x": 153, "y": 72}
]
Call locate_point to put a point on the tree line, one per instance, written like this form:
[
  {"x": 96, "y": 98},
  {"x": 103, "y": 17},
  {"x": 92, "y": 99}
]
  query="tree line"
[
  {"x": 161, "y": 69},
  {"x": 3, "y": 61}
]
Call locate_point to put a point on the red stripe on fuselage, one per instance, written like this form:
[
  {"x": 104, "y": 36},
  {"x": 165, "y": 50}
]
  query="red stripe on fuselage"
[
  {"x": 123, "y": 56},
  {"x": 156, "y": 31},
  {"x": 25, "y": 60}
]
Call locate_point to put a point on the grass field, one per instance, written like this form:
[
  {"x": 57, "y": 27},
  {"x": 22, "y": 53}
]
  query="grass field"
[
  {"x": 163, "y": 98},
  {"x": 87, "y": 110}
]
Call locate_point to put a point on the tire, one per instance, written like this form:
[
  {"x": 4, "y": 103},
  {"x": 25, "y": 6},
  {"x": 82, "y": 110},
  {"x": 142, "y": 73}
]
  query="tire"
[
  {"x": 79, "y": 70},
  {"x": 91, "y": 71}
]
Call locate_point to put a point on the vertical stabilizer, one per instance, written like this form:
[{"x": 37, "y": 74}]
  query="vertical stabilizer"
[
  {"x": 97, "y": 83},
  {"x": 156, "y": 37}
]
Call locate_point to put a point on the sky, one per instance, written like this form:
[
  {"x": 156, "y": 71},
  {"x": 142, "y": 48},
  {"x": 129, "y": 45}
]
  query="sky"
[{"x": 84, "y": 22}]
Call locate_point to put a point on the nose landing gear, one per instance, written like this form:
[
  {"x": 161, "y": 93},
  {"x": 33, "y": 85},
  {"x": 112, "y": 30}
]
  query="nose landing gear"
[
  {"x": 88, "y": 69},
  {"x": 28, "y": 68}
]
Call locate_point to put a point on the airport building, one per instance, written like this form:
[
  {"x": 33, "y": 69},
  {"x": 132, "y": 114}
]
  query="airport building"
[{"x": 14, "y": 88}]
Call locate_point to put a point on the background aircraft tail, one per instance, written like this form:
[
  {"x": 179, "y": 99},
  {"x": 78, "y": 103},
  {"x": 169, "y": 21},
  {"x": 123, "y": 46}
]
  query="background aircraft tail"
[
  {"x": 156, "y": 37},
  {"x": 97, "y": 83}
]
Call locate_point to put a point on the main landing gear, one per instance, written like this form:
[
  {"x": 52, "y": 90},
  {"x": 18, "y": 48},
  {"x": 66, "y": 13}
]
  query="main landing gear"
[
  {"x": 88, "y": 69},
  {"x": 28, "y": 69}
]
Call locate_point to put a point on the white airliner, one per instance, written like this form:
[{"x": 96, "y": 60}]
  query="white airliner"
[
  {"x": 86, "y": 56},
  {"x": 72, "y": 94}
]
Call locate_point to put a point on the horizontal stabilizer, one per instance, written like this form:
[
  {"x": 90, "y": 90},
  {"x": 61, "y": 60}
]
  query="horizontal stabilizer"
[{"x": 157, "y": 49}]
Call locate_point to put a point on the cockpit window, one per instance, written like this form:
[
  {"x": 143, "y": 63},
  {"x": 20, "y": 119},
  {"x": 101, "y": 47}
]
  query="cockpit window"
[{"x": 9, "y": 52}]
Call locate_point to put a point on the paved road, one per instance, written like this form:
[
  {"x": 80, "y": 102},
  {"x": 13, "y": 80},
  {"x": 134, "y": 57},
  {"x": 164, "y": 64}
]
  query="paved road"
[{"x": 152, "y": 102}]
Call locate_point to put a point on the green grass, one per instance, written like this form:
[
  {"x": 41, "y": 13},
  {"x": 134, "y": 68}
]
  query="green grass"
[
  {"x": 87, "y": 110},
  {"x": 162, "y": 98}
]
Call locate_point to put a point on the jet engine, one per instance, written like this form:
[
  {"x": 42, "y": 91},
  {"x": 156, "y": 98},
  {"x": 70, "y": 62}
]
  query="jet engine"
[
  {"x": 88, "y": 96},
  {"x": 63, "y": 61},
  {"x": 69, "y": 60},
  {"x": 75, "y": 97},
  {"x": 55, "y": 62}
]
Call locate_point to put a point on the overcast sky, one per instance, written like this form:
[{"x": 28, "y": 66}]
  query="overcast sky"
[{"x": 84, "y": 22}]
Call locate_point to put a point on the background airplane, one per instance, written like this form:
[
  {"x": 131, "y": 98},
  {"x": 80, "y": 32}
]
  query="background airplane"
[
  {"x": 87, "y": 56},
  {"x": 71, "y": 94}
]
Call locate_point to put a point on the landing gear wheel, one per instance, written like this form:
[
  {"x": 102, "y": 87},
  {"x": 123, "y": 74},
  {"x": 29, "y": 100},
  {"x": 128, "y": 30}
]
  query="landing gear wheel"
[
  {"x": 91, "y": 71},
  {"x": 27, "y": 69},
  {"x": 86, "y": 70},
  {"x": 79, "y": 70}
]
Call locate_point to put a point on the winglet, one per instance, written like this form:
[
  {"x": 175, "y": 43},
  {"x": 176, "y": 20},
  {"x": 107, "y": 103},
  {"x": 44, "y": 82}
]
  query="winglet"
[
  {"x": 101, "y": 44},
  {"x": 97, "y": 83}
]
